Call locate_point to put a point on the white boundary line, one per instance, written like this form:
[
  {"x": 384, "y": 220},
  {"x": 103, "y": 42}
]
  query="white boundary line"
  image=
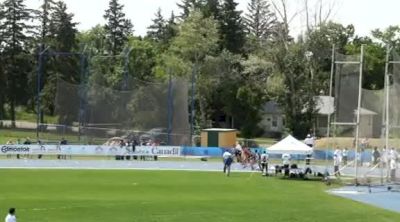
[{"x": 134, "y": 168}]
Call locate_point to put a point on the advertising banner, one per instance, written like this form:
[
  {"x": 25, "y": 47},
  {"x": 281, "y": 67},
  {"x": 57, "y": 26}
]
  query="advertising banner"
[{"x": 170, "y": 151}]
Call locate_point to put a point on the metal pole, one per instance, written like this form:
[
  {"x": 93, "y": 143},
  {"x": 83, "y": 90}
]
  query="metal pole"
[
  {"x": 330, "y": 88},
  {"x": 328, "y": 129},
  {"x": 81, "y": 93},
  {"x": 170, "y": 107},
  {"x": 192, "y": 103},
  {"x": 126, "y": 69},
  {"x": 387, "y": 105},
  {"x": 85, "y": 104},
  {"x": 359, "y": 110},
  {"x": 39, "y": 88},
  {"x": 39, "y": 73}
]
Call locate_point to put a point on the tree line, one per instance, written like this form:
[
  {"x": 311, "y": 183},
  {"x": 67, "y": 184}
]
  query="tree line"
[{"x": 238, "y": 61}]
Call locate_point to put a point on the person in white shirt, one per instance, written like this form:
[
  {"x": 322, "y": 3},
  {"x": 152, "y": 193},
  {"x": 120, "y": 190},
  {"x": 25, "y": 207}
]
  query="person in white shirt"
[
  {"x": 11, "y": 216},
  {"x": 393, "y": 166},
  {"x": 309, "y": 141},
  {"x": 286, "y": 159},
  {"x": 393, "y": 154},
  {"x": 336, "y": 164},
  {"x": 264, "y": 163},
  {"x": 238, "y": 152},
  {"x": 238, "y": 146},
  {"x": 227, "y": 158},
  {"x": 384, "y": 157},
  {"x": 345, "y": 154},
  {"x": 338, "y": 153},
  {"x": 286, "y": 163}
]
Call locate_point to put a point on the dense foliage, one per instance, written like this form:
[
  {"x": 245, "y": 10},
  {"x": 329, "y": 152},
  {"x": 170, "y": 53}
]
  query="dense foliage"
[{"x": 239, "y": 61}]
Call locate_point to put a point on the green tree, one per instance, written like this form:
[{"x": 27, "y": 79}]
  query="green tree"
[
  {"x": 318, "y": 42},
  {"x": 44, "y": 17},
  {"x": 259, "y": 20},
  {"x": 290, "y": 69},
  {"x": 2, "y": 64},
  {"x": 212, "y": 8},
  {"x": 217, "y": 90},
  {"x": 142, "y": 60},
  {"x": 232, "y": 28},
  {"x": 156, "y": 31},
  {"x": 63, "y": 29},
  {"x": 389, "y": 36},
  {"x": 170, "y": 29},
  {"x": 62, "y": 34},
  {"x": 95, "y": 38},
  {"x": 374, "y": 61},
  {"x": 118, "y": 27},
  {"x": 15, "y": 29},
  {"x": 187, "y": 6},
  {"x": 197, "y": 38}
]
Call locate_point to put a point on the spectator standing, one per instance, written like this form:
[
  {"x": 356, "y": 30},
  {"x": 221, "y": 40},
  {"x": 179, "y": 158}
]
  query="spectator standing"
[
  {"x": 338, "y": 154},
  {"x": 345, "y": 154},
  {"x": 238, "y": 152},
  {"x": 286, "y": 163},
  {"x": 384, "y": 157},
  {"x": 134, "y": 144},
  {"x": 227, "y": 158},
  {"x": 9, "y": 142},
  {"x": 63, "y": 142},
  {"x": 309, "y": 141},
  {"x": 375, "y": 156},
  {"x": 336, "y": 164},
  {"x": 26, "y": 142},
  {"x": 393, "y": 166},
  {"x": 364, "y": 143},
  {"x": 264, "y": 163},
  {"x": 42, "y": 148},
  {"x": 11, "y": 216},
  {"x": 393, "y": 154}
]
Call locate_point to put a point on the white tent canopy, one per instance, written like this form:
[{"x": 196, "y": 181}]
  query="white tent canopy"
[{"x": 290, "y": 145}]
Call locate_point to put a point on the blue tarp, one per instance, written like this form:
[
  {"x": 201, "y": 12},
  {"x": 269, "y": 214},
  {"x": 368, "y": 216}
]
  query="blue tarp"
[{"x": 317, "y": 154}]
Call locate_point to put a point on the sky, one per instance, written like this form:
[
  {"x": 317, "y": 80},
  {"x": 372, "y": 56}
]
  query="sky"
[{"x": 365, "y": 15}]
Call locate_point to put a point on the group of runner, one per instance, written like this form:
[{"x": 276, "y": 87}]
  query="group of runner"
[{"x": 244, "y": 156}]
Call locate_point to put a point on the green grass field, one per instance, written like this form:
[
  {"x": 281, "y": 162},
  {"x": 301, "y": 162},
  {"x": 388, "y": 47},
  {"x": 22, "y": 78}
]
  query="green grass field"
[{"x": 85, "y": 196}]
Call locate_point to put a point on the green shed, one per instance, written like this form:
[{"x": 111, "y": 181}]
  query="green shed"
[{"x": 217, "y": 137}]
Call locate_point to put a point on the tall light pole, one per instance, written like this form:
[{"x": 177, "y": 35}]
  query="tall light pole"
[
  {"x": 39, "y": 88},
  {"x": 309, "y": 55}
]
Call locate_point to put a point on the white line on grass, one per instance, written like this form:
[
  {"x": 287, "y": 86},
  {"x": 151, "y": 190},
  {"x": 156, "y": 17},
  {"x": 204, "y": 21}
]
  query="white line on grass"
[{"x": 134, "y": 168}]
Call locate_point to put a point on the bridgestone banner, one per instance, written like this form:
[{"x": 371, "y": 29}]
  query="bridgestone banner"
[{"x": 169, "y": 151}]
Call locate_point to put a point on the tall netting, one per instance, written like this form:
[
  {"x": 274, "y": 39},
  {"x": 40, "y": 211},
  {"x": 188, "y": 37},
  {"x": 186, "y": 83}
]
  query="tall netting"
[
  {"x": 371, "y": 119},
  {"x": 394, "y": 102},
  {"x": 49, "y": 131},
  {"x": 346, "y": 92},
  {"x": 346, "y": 97},
  {"x": 156, "y": 112},
  {"x": 393, "y": 120},
  {"x": 379, "y": 123}
]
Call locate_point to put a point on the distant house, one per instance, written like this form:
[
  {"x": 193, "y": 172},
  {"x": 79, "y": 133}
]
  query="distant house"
[
  {"x": 325, "y": 107},
  {"x": 273, "y": 121}
]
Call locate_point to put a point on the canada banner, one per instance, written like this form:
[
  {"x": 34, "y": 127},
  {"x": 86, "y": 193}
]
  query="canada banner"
[{"x": 168, "y": 151}]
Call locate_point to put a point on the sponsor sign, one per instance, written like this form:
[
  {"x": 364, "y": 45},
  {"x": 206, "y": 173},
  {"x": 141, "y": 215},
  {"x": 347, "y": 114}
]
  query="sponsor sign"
[{"x": 172, "y": 151}]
